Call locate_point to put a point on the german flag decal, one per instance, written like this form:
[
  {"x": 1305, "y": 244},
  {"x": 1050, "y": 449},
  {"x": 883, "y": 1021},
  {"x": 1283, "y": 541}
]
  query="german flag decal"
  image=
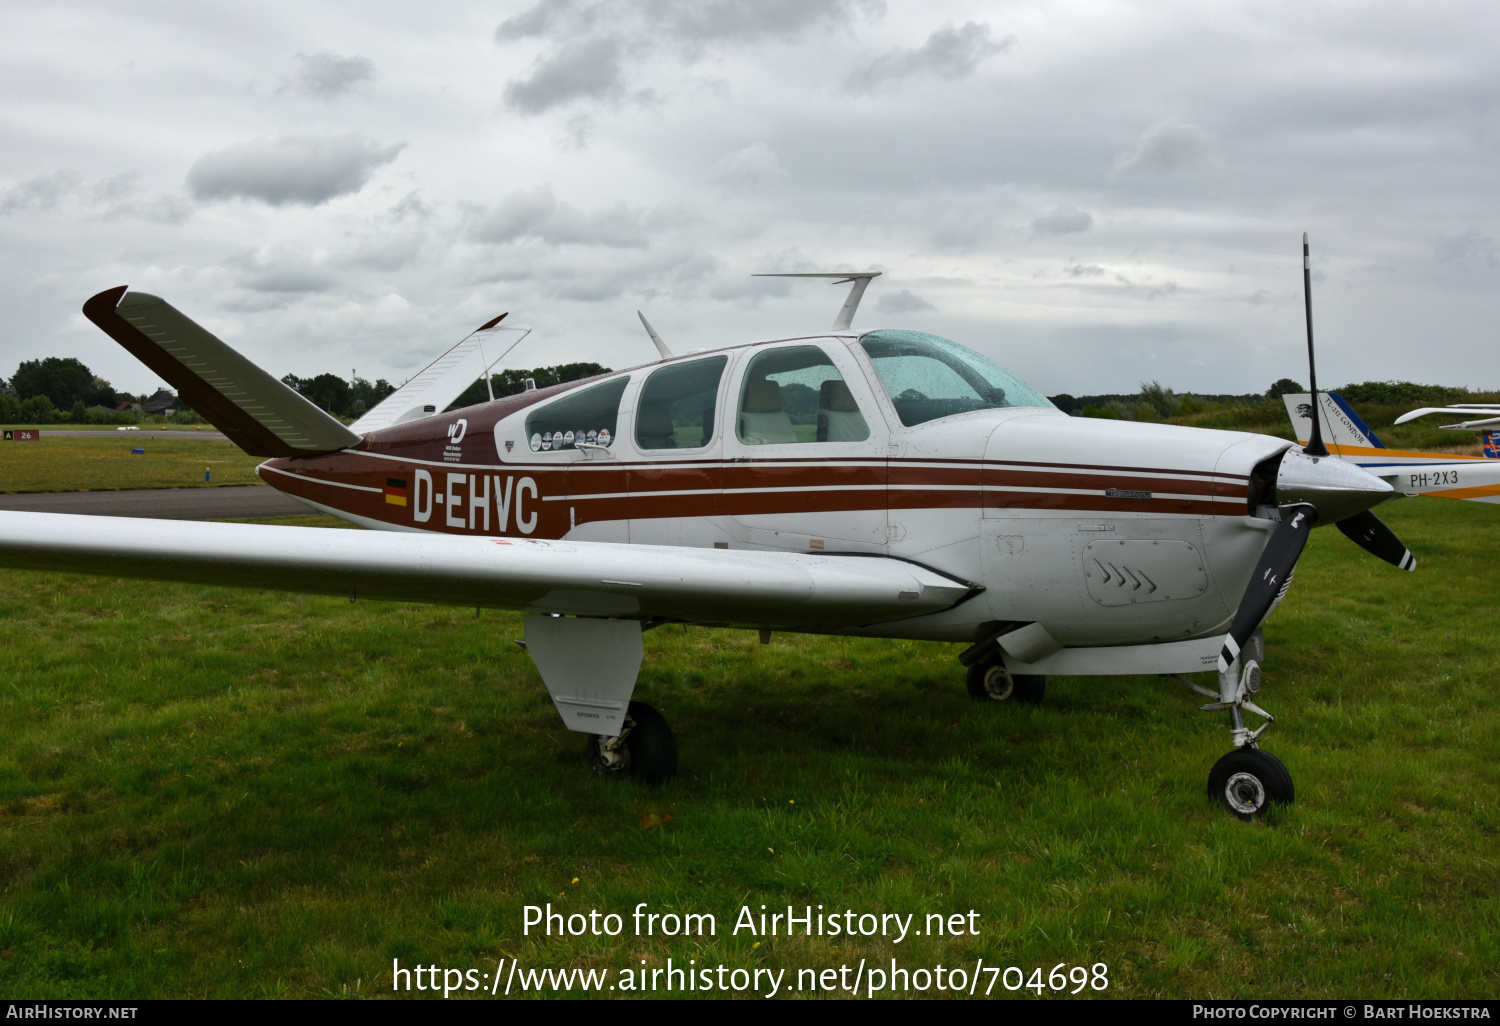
[{"x": 395, "y": 491}]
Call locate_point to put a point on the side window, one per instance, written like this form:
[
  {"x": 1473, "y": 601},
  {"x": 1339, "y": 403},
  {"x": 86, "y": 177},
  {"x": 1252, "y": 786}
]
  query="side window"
[
  {"x": 587, "y": 416},
  {"x": 677, "y": 405},
  {"x": 796, "y": 394}
]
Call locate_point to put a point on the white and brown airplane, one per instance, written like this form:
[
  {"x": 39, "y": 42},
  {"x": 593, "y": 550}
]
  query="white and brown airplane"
[{"x": 885, "y": 483}]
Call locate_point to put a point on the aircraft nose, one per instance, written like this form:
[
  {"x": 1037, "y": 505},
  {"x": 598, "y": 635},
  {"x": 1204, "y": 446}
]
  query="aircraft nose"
[{"x": 1334, "y": 488}]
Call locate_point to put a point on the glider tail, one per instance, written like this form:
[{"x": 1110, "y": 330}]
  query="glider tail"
[{"x": 1345, "y": 433}]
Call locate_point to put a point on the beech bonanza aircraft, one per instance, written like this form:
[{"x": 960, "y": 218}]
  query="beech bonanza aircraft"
[
  {"x": 886, "y": 483},
  {"x": 1439, "y": 474}
]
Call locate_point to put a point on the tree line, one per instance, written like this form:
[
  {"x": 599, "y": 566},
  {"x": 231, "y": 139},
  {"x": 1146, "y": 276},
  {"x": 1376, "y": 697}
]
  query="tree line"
[
  {"x": 1153, "y": 402},
  {"x": 56, "y": 390}
]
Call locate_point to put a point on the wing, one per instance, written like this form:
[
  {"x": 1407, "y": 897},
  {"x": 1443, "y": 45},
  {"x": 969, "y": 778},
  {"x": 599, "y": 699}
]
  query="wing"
[
  {"x": 1487, "y": 413},
  {"x": 788, "y": 590},
  {"x": 444, "y": 379},
  {"x": 258, "y": 413}
]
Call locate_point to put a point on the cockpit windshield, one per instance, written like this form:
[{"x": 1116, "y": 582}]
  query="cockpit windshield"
[{"x": 928, "y": 377}]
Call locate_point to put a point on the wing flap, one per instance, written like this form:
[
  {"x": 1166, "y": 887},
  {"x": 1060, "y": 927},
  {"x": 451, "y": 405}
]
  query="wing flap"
[
  {"x": 719, "y": 586},
  {"x": 257, "y": 412}
]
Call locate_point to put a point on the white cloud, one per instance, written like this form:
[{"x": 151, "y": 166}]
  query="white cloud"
[
  {"x": 1064, "y": 220},
  {"x": 1168, "y": 146},
  {"x": 950, "y": 52},
  {"x": 582, "y": 69},
  {"x": 1472, "y": 248},
  {"x": 289, "y": 170},
  {"x": 755, "y": 163},
  {"x": 903, "y": 302},
  {"x": 535, "y": 214},
  {"x": 41, "y": 193},
  {"x": 327, "y": 75}
]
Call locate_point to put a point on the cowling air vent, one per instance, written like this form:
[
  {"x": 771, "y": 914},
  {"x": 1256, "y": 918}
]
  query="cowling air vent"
[{"x": 1119, "y": 573}]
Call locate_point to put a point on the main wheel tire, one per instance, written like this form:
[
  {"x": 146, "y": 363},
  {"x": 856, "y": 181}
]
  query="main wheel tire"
[
  {"x": 1031, "y": 688},
  {"x": 650, "y": 749},
  {"x": 989, "y": 681},
  {"x": 1249, "y": 781},
  {"x": 653, "y": 749}
]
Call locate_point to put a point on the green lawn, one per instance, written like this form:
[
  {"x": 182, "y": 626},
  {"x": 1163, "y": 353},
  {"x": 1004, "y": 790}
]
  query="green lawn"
[
  {"x": 59, "y": 464},
  {"x": 223, "y": 793}
]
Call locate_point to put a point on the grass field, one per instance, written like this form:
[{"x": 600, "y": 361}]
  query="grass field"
[
  {"x": 206, "y": 792},
  {"x": 58, "y": 464}
]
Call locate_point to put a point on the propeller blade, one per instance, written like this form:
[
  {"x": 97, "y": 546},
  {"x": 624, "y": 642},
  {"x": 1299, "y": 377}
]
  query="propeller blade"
[
  {"x": 1315, "y": 446},
  {"x": 1370, "y": 533},
  {"x": 1272, "y": 574}
]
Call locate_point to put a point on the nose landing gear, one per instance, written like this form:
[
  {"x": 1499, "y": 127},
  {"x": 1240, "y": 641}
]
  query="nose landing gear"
[{"x": 1247, "y": 781}]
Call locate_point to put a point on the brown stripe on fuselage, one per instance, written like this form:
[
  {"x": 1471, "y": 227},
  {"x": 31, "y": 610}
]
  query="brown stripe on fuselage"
[{"x": 582, "y": 492}]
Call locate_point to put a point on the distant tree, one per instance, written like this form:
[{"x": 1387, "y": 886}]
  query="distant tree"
[
  {"x": 1065, "y": 402},
  {"x": 1284, "y": 386},
  {"x": 62, "y": 379},
  {"x": 10, "y": 409},
  {"x": 1399, "y": 393},
  {"x": 1101, "y": 412},
  {"x": 1163, "y": 400},
  {"x": 513, "y": 382},
  {"x": 363, "y": 395},
  {"x": 327, "y": 391},
  {"x": 39, "y": 409}
]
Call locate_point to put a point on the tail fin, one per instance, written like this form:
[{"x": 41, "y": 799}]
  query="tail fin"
[
  {"x": 1491, "y": 446},
  {"x": 259, "y": 414},
  {"x": 1343, "y": 430}
]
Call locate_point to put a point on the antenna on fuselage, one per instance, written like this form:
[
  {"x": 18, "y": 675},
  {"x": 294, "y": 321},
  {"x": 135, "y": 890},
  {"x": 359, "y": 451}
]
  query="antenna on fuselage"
[
  {"x": 661, "y": 347},
  {"x": 859, "y": 281}
]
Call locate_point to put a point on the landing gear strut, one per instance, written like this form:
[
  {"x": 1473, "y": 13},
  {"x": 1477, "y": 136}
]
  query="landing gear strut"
[
  {"x": 1247, "y": 781},
  {"x": 645, "y": 749}
]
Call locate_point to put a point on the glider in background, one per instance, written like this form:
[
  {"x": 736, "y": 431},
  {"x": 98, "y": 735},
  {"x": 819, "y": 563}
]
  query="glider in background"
[{"x": 1439, "y": 474}]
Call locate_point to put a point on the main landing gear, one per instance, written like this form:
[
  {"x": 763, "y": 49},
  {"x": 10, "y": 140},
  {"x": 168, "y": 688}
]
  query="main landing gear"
[
  {"x": 1248, "y": 781},
  {"x": 645, "y": 749},
  {"x": 989, "y": 681}
]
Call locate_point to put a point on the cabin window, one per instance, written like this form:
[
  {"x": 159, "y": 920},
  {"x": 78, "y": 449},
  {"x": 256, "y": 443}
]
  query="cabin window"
[
  {"x": 796, "y": 395},
  {"x": 677, "y": 405},
  {"x": 586, "y": 416},
  {"x": 929, "y": 377}
]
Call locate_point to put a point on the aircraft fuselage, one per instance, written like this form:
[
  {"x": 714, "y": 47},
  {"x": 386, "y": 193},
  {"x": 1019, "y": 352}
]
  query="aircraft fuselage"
[{"x": 1106, "y": 532}]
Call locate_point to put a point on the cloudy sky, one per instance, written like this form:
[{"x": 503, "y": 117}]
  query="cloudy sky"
[{"x": 1091, "y": 193}]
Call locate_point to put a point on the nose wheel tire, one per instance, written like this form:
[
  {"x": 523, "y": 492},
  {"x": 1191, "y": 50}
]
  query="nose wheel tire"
[
  {"x": 990, "y": 681},
  {"x": 645, "y": 749},
  {"x": 1248, "y": 781}
]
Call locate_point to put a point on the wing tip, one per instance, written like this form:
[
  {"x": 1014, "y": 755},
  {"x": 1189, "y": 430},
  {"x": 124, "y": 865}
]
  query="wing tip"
[{"x": 104, "y": 303}]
